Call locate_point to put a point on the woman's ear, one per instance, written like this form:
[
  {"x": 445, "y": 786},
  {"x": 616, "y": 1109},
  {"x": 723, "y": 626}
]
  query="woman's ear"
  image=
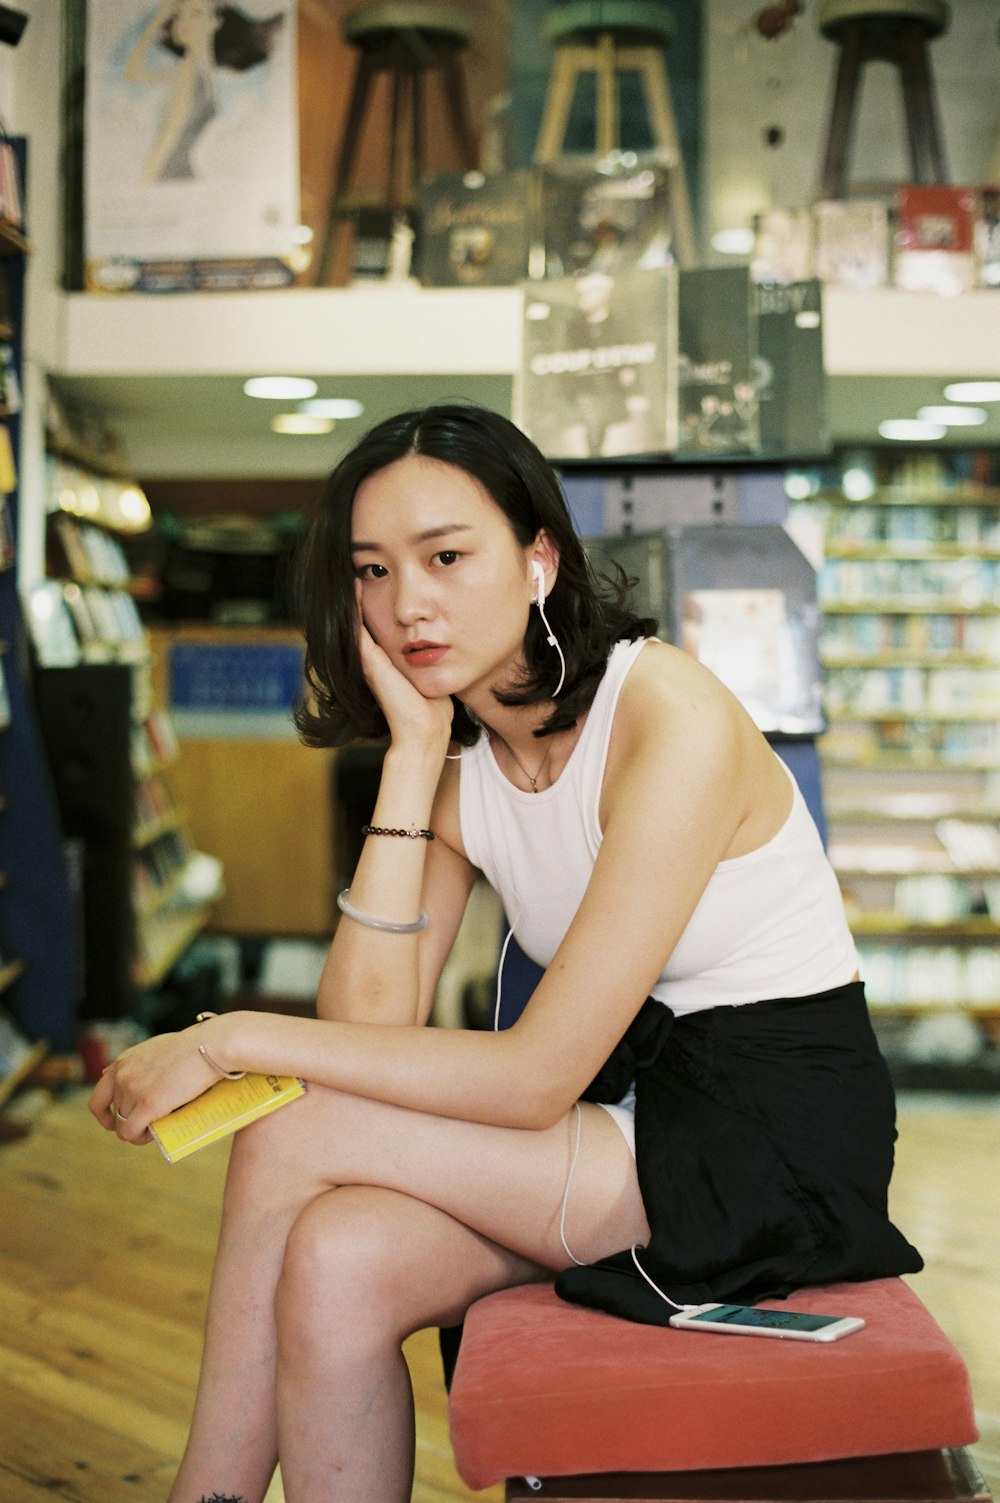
[{"x": 544, "y": 555}]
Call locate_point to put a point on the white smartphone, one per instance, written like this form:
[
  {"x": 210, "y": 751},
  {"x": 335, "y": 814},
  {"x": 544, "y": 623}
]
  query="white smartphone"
[{"x": 747, "y": 1320}]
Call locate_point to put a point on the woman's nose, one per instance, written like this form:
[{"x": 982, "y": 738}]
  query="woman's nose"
[{"x": 412, "y": 600}]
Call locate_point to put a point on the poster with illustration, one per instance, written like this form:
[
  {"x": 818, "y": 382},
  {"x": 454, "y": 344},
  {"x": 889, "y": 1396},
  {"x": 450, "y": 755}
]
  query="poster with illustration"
[{"x": 191, "y": 155}]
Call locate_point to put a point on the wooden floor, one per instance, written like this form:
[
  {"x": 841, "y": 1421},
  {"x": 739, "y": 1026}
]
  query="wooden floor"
[{"x": 104, "y": 1261}]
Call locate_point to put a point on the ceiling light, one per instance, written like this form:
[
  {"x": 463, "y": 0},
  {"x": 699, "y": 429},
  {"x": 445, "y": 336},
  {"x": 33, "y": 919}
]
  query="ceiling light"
[
  {"x": 301, "y": 423},
  {"x": 280, "y": 388},
  {"x": 134, "y": 507},
  {"x": 797, "y": 487},
  {"x": 857, "y": 484},
  {"x": 911, "y": 430},
  {"x": 953, "y": 417},
  {"x": 808, "y": 319},
  {"x": 973, "y": 391},
  {"x": 733, "y": 242},
  {"x": 333, "y": 407}
]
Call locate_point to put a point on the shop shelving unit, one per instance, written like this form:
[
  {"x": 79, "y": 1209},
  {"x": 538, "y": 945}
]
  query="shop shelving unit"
[
  {"x": 110, "y": 747},
  {"x": 910, "y": 595}
]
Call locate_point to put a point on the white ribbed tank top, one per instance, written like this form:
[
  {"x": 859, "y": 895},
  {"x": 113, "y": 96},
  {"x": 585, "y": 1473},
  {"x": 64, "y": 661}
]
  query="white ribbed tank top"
[{"x": 769, "y": 924}]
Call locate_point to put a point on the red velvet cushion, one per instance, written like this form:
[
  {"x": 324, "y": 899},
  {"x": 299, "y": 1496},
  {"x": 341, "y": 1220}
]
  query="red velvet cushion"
[{"x": 544, "y": 1388}]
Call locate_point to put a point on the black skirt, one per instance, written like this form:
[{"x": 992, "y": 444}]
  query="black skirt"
[{"x": 764, "y": 1148}]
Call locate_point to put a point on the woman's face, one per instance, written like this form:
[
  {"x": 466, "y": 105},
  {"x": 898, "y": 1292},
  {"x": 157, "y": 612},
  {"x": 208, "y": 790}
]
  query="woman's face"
[
  {"x": 194, "y": 22},
  {"x": 445, "y": 587}
]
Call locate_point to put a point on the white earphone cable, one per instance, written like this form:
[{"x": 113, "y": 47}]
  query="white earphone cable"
[{"x": 553, "y": 642}]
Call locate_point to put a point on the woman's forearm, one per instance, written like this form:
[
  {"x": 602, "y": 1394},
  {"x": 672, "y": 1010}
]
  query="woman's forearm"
[
  {"x": 372, "y": 974},
  {"x": 479, "y": 1077}
]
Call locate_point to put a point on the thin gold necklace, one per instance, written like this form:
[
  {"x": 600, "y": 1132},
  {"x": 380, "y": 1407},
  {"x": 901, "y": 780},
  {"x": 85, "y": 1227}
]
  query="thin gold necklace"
[{"x": 541, "y": 766}]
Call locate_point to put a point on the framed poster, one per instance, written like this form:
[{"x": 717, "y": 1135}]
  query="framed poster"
[
  {"x": 598, "y": 365},
  {"x": 191, "y": 144}
]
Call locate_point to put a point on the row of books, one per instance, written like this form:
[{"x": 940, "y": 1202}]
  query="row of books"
[
  {"x": 73, "y": 624},
  {"x": 154, "y": 744},
  {"x": 655, "y": 361},
  {"x": 613, "y": 214},
  {"x": 106, "y": 501},
  {"x": 935, "y": 471},
  {"x": 951, "y": 845},
  {"x": 88, "y": 554},
  {"x": 963, "y": 582},
  {"x": 945, "y": 899},
  {"x": 7, "y": 543},
  {"x": 912, "y": 691},
  {"x": 871, "y": 634},
  {"x": 154, "y": 806},
  {"x": 605, "y": 214},
  {"x": 965, "y": 744},
  {"x": 10, "y": 382},
  {"x": 157, "y": 867},
  {"x": 928, "y": 237},
  {"x": 931, "y": 975},
  {"x": 11, "y": 201},
  {"x": 974, "y": 527}
]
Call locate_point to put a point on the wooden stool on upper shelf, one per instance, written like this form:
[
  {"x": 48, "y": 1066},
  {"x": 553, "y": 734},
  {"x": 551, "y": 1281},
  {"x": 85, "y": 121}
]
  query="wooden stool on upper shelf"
[
  {"x": 893, "y": 31},
  {"x": 607, "y": 38},
  {"x": 405, "y": 41}
]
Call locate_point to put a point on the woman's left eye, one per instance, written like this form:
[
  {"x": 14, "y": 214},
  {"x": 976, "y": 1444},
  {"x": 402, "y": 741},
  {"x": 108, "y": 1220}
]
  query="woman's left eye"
[{"x": 446, "y": 556}]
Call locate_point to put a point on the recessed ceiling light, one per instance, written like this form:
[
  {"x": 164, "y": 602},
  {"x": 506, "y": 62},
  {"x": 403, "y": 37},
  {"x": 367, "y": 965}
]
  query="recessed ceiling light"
[
  {"x": 733, "y": 242},
  {"x": 911, "y": 430},
  {"x": 280, "y": 388},
  {"x": 301, "y": 423},
  {"x": 797, "y": 487},
  {"x": 953, "y": 417},
  {"x": 857, "y": 483},
  {"x": 333, "y": 407},
  {"x": 973, "y": 391}
]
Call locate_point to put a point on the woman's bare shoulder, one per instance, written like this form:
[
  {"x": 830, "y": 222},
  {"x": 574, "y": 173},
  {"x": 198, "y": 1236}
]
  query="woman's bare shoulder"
[{"x": 668, "y": 690}]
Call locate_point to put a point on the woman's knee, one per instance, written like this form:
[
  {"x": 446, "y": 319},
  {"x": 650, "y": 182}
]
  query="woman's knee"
[{"x": 345, "y": 1271}]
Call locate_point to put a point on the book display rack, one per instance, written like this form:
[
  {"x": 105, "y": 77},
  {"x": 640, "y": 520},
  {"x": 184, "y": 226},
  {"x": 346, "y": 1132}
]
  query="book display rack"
[
  {"x": 35, "y": 921},
  {"x": 911, "y": 761},
  {"x": 145, "y": 893}
]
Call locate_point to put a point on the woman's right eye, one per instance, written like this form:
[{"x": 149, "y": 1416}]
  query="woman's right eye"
[{"x": 371, "y": 571}]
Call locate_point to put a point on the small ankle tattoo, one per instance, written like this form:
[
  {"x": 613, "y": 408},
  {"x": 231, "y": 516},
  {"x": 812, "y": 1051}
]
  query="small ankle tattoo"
[{"x": 222, "y": 1498}]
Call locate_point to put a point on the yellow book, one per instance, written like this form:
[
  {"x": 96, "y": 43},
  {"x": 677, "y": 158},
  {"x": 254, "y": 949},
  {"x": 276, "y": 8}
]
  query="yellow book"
[{"x": 223, "y": 1109}]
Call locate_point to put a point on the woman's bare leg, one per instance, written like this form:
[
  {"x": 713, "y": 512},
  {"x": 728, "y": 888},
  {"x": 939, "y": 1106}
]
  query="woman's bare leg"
[
  {"x": 364, "y": 1269},
  {"x": 503, "y": 1184}
]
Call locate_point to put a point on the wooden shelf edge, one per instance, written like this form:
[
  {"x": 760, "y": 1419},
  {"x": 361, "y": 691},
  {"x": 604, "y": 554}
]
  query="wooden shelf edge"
[
  {"x": 890, "y": 927},
  {"x": 13, "y": 240},
  {"x": 921, "y": 1009},
  {"x": 30, "y": 1062},
  {"x": 9, "y": 973},
  {"x": 151, "y": 971}
]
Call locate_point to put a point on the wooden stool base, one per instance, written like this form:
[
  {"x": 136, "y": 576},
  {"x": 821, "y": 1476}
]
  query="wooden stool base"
[{"x": 913, "y": 1477}]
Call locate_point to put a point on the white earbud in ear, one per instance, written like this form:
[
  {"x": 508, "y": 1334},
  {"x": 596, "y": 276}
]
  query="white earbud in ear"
[{"x": 539, "y": 575}]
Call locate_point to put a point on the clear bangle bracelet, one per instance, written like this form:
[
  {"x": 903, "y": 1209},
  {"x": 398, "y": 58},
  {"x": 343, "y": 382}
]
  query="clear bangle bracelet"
[
  {"x": 226, "y": 1074},
  {"x": 370, "y": 922}
]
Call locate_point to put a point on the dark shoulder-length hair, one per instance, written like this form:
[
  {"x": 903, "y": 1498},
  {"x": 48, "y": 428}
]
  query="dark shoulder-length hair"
[
  {"x": 587, "y": 615},
  {"x": 240, "y": 42}
]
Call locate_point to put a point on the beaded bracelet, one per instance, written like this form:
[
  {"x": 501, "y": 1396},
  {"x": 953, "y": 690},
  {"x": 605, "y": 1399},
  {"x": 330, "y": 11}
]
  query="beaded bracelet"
[
  {"x": 226, "y": 1074},
  {"x": 370, "y": 922},
  {"x": 413, "y": 833}
]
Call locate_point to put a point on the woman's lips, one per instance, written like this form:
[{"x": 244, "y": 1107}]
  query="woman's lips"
[{"x": 424, "y": 654}]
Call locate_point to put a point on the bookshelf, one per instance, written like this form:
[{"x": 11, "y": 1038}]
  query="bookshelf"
[
  {"x": 145, "y": 892},
  {"x": 910, "y": 598}
]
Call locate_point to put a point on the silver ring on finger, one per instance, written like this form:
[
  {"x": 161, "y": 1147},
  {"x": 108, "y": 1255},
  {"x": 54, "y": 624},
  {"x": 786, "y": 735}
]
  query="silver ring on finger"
[{"x": 122, "y": 1116}]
